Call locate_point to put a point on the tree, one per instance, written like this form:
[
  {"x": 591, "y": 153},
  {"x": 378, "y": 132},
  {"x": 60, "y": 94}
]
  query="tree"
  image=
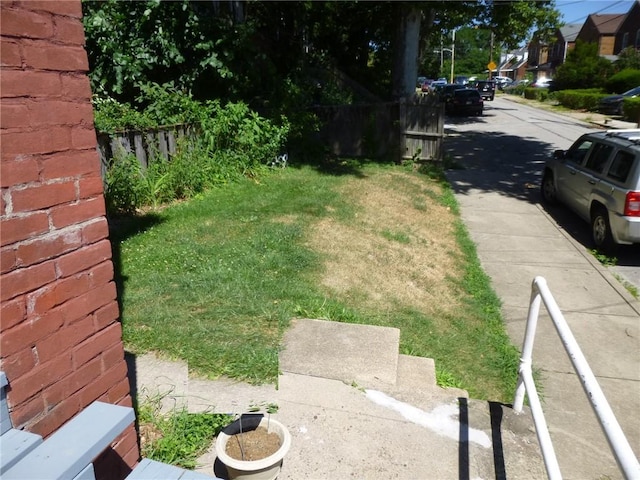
[
  {"x": 583, "y": 68},
  {"x": 253, "y": 50},
  {"x": 137, "y": 42},
  {"x": 509, "y": 21},
  {"x": 629, "y": 58}
]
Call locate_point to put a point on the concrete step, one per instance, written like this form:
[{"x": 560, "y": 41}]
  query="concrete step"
[
  {"x": 355, "y": 408},
  {"x": 364, "y": 355},
  {"x": 341, "y": 431}
]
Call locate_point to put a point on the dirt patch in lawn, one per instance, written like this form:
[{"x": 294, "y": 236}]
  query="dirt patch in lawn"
[{"x": 398, "y": 251}]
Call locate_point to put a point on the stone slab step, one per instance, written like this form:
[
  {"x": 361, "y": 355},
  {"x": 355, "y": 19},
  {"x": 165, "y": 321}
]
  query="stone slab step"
[
  {"x": 416, "y": 383},
  {"x": 157, "y": 379},
  {"x": 365, "y": 355},
  {"x": 225, "y": 395}
]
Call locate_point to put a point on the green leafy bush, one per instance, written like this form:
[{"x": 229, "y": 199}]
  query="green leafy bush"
[
  {"x": 631, "y": 109},
  {"x": 586, "y": 99},
  {"x": 224, "y": 143},
  {"x": 628, "y": 58},
  {"x": 622, "y": 81},
  {"x": 539, "y": 94},
  {"x": 125, "y": 186},
  {"x": 583, "y": 68},
  {"x": 112, "y": 116}
]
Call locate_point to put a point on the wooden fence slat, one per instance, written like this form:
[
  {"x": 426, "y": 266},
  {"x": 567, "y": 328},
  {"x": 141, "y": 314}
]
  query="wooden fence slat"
[{"x": 141, "y": 152}]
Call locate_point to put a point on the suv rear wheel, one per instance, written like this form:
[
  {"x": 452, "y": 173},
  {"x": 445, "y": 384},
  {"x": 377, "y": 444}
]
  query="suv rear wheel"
[{"x": 600, "y": 229}]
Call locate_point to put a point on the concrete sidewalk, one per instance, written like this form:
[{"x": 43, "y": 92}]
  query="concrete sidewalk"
[{"x": 603, "y": 316}]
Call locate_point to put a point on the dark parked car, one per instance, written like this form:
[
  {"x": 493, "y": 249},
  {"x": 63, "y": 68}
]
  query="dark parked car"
[
  {"x": 446, "y": 91},
  {"x": 461, "y": 80},
  {"x": 612, "y": 105},
  {"x": 487, "y": 89},
  {"x": 465, "y": 101}
]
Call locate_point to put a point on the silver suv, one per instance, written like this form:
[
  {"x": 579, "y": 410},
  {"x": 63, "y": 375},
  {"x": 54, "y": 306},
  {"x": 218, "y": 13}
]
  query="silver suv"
[{"x": 599, "y": 179}]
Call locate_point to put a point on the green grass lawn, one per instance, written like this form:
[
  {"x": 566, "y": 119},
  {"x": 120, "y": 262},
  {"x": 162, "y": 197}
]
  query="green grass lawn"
[{"x": 216, "y": 280}]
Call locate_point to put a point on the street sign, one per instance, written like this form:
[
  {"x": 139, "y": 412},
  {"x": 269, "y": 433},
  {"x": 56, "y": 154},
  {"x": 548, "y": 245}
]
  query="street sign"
[{"x": 491, "y": 65}]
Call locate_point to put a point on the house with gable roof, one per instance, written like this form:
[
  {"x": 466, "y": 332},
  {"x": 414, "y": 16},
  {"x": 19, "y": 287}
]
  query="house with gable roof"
[
  {"x": 602, "y": 29},
  {"x": 513, "y": 64},
  {"x": 628, "y": 34},
  {"x": 545, "y": 58}
]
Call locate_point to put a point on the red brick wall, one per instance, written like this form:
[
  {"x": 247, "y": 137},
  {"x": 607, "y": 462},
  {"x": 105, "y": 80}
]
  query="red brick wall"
[{"x": 60, "y": 338}]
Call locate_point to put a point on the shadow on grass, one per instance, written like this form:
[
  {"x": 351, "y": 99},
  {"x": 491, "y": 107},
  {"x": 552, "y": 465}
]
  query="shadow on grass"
[{"x": 121, "y": 228}]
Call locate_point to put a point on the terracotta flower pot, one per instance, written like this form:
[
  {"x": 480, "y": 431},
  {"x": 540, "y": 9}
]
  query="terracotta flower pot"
[{"x": 265, "y": 469}]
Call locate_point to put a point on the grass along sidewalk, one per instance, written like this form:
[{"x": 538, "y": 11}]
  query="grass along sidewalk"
[{"x": 216, "y": 281}]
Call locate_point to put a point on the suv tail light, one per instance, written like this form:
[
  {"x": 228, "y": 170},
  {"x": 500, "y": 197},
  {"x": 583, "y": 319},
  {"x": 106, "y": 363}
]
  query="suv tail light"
[{"x": 632, "y": 204}]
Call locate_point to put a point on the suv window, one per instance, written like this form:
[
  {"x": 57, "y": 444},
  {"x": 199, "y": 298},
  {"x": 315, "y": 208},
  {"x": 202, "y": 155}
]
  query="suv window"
[
  {"x": 598, "y": 158},
  {"x": 621, "y": 166},
  {"x": 578, "y": 151}
]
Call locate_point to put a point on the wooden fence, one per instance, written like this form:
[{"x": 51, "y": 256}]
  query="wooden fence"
[
  {"x": 144, "y": 144},
  {"x": 410, "y": 129},
  {"x": 421, "y": 124}
]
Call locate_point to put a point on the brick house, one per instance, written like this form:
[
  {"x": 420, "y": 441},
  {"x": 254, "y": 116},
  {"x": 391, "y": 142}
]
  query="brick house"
[
  {"x": 611, "y": 32},
  {"x": 513, "y": 64},
  {"x": 602, "y": 29},
  {"x": 60, "y": 336},
  {"x": 545, "y": 58},
  {"x": 628, "y": 34}
]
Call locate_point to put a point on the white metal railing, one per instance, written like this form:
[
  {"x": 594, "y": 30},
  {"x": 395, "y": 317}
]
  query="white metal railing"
[{"x": 620, "y": 447}]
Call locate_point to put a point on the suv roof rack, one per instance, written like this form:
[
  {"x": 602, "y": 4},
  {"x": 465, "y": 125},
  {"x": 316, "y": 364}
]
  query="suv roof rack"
[{"x": 626, "y": 134}]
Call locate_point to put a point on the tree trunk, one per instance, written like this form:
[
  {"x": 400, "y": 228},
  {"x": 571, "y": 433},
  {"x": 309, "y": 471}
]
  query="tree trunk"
[{"x": 405, "y": 61}]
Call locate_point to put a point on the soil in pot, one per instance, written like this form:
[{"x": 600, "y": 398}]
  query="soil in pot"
[{"x": 253, "y": 445}]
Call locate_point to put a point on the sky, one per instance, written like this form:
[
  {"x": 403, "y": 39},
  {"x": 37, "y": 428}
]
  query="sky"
[{"x": 577, "y": 11}]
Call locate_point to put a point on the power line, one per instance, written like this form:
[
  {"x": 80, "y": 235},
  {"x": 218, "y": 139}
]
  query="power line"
[{"x": 608, "y": 7}]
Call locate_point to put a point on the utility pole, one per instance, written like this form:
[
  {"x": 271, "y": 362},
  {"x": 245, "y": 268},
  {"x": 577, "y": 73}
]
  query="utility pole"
[
  {"x": 491, "y": 56},
  {"x": 453, "y": 52}
]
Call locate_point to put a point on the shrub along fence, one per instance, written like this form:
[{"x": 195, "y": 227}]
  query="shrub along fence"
[{"x": 411, "y": 129}]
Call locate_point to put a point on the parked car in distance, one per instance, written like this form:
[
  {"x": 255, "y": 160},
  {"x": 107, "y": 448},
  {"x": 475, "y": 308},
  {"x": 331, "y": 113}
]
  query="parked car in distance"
[
  {"x": 501, "y": 82},
  {"x": 487, "y": 89},
  {"x": 613, "y": 104},
  {"x": 426, "y": 85},
  {"x": 445, "y": 92},
  {"x": 542, "y": 83},
  {"x": 465, "y": 101},
  {"x": 437, "y": 85},
  {"x": 598, "y": 177},
  {"x": 461, "y": 80},
  {"x": 516, "y": 84}
]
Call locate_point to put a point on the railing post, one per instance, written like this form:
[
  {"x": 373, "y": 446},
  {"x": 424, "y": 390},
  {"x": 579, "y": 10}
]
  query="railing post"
[{"x": 527, "y": 346}]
